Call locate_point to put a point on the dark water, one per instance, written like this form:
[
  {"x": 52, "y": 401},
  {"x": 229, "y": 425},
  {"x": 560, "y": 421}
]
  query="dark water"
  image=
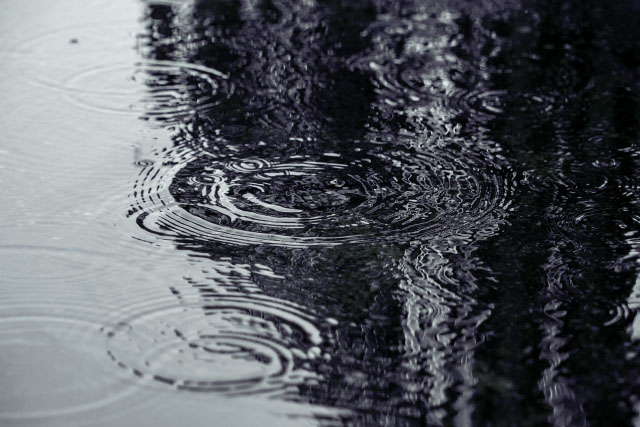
[{"x": 369, "y": 213}]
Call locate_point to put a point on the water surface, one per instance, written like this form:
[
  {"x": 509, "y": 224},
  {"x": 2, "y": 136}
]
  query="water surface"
[{"x": 320, "y": 213}]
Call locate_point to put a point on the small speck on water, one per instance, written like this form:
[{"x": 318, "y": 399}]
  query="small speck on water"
[{"x": 73, "y": 41}]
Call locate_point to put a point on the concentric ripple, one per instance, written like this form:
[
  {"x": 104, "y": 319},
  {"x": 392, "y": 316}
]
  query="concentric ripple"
[
  {"x": 229, "y": 344},
  {"x": 160, "y": 90},
  {"x": 69, "y": 390},
  {"x": 56, "y": 266},
  {"x": 392, "y": 195},
  {"x": 71, "y": 41},
  {"x": 477, "y": 105}
]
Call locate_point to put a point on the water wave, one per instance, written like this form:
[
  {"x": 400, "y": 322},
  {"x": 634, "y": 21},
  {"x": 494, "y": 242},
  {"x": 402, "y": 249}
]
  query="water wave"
[
  {"x": 298, "y": 201},
  {"x": 82, "y": 40},
  {"x": 229, "y": 344},
  {"x": 97, "y": 75},
  {"x": 78, "y": 390},
  {"x": 161, "y": 90}
]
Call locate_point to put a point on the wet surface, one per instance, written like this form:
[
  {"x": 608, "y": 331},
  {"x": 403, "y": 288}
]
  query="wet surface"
[{"x": 320, "y": 213}]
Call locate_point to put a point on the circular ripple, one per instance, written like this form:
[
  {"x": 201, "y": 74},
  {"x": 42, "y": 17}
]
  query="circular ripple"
[
  {"x": 55, "y": 266},
  {"x": 53, "y": 368},
  {"x": 231, "y": 344},
  {"x": 160, "y": 90},
  {"x": 477, "y": 105},
  {"x": 392, "y": 195},
  {"x": 619, "y": 312},
  {"x": 72, "y": 41}
]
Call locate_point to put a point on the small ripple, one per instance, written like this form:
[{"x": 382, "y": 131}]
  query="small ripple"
[
  {"x": 72, "y": 41},
  {"x": 477, "y": 105},
  {"x": 230, "y": 344},
  {"x": 160, "y": 90},
  {"x": 577, "y": 177},
  {"x": 570, "y": 223},
  {"x": 56, "y": 265},
  {"x": 247, "y": 165},
  {"x": 154, "y": 89},
  {"x": 619, "y": 312}
]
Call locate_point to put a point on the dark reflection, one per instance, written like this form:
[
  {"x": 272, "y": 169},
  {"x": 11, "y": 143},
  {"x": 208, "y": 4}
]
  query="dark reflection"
[
  {"x": 558, "y": 351},
  {"x": 349, "y": 168}
]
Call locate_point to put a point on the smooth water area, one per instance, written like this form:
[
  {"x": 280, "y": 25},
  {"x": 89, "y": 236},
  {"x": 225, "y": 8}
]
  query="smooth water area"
[{"x": 301, "y": 213}]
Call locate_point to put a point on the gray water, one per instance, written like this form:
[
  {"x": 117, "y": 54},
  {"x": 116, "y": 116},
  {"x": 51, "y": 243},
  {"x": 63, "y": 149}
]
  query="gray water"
[{"x": 375, "y": 213}]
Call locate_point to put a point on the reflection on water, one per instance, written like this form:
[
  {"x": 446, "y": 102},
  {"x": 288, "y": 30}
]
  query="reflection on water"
[{"x": 351, "y": 212}]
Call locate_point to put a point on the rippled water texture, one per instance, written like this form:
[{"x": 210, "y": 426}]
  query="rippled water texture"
[{"x": 366, "y": 212}]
